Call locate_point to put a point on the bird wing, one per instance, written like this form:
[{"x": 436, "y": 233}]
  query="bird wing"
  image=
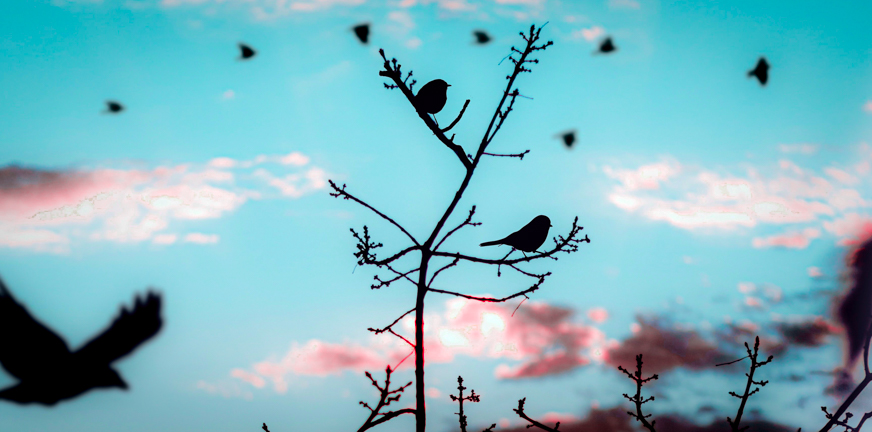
[
  {"x": 127, "y": 332},
  {"x": 27, "y": 348}
]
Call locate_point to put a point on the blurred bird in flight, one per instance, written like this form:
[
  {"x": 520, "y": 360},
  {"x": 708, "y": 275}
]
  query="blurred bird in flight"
[
  {"x": 113, "y": 107},
  {"x": 362, "y": 32},
  {"x": 568, "y": 138},
  {"x": 48, "y": 371},
  {"x": 481, "y": 37},
  {"x": 246, "y": 52},
  {"x": 606, "y": 46},
  {"x": 761, "y": 71},
  {"x": 527, "y": 239}
]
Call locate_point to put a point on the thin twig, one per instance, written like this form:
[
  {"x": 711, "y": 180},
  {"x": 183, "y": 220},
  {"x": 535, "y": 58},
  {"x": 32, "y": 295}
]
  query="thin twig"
[
  {"x": 460, "y": 399},
  {"x": 340, "y": 192},
  {"x": 517, "y": 155},
  {"x": 491, "y": 299},
  {"x": 520, "y": 411},
  {"x": 467, "y": 221},
  {"x": 867, "y": 378},
  {"x": 734, "y": 424},
  {"x": 386, "y": 396},
  {"x": 637, "y": 399},
  {"x": 463, "y": 110},
  {"x": 382, "y": 330}
]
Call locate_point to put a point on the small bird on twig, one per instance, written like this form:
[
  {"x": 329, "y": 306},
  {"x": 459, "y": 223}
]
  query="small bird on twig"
[
  {"x": 527, "y": 239},
  {"x": 432, "y": 97},
  {"x": 48, "y": 371},
  {"x": 246, "y": 52},
  {"x": 481, "y": 37},
  {"x": 362, "y": 32},
  {"x": 606, "y": 46},
  {"x": 761, "y": 71},
  {"x": 113, "y": 107}
]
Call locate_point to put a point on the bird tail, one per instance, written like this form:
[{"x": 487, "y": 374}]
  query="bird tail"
[{"x": 492, "y": 243}]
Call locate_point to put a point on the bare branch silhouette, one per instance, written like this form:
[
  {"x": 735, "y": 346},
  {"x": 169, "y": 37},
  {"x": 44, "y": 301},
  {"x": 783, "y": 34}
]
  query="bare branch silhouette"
[
  {"x": 520, "y": 411},
  {"x": 432, "y": 102},
  {"x": 734, "y": 424},
  {"x": 844, "y": 423},
  {"x": 517, "y": 155},
  {"x": 637, "y": 399},
  {"x": 386, "y": 396},
  {"x": 460, "y": 398},
  {"x": 867, "y": 378}
]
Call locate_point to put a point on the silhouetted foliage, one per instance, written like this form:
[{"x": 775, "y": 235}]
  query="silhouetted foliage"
[{"x": 48, "y": 372}]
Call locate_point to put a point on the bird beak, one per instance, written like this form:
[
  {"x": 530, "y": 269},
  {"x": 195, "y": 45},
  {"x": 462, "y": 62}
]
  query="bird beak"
[{"x": 449, "y": 85}]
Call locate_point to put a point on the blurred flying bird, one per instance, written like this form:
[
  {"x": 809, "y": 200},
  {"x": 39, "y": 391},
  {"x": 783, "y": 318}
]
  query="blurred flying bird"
[
  {"x": 855, "y": 308},
  {"x": 481, "y": 37},
  {"x": 527, "y": 239},
  {"x": 246, "y": 52},
  {"x": 113, "y": 107},
  {"x": 606, "y": 46},
  {"x": 568, "y": 138},
  {"x": 48, "y": 371},
  {"x": 362, "y": 32},
  {"x": 761, "y": 71},
  {"x": 432, "y": 97}
]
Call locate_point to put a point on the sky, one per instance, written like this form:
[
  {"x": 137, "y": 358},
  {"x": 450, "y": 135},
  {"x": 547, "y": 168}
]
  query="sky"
[{"x": 717, "y": 209}]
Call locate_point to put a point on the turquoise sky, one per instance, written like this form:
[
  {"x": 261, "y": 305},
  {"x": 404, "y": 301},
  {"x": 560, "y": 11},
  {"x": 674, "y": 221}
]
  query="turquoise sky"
[{"x": 712, "y": 203}]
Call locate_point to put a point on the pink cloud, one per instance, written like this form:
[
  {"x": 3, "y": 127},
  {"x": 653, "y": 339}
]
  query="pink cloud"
[
  {"x": 841, "y": 176},
  {"x": 201, "y": 238},
  {"x": 807, "y": 149},
  {"x": 164, "y": 239},
  {"x": 852, "y": 228},
  {"x": 589, "y": 34},
  {"x": 645, "y": 177},
  {"x": 814, "y": 272},
  {"x": 248, "y": 377},
  {"x": 790, "y": 240},
  {"x": 868, "y": 106},
  {"x": 598, "y": 315}
]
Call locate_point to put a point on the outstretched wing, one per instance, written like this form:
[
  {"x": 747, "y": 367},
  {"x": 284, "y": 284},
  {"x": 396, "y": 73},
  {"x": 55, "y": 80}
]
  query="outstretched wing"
[
  {"x": 127, "y": 332},
  {"x": 27, "y": 348}
]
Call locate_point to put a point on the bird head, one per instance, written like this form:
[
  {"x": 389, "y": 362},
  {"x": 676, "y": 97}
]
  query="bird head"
[
  {"x": 542, "y": 220},
  {"x": 441, "y": 84}
]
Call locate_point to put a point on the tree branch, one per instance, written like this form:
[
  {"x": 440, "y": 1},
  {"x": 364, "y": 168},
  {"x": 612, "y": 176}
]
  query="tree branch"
[
  {"x": 520, "y": 411},
  {"x": 734, "y": 424},
  {"x": 491, "y": 299},
  {"x": 463, "y": 110},
  {"x": 467, "y": 221},
  {"x": 386, "y": 396},
  {"x": 637, "y": 399},
  {"x": 382, "y": 330},
  {"x": 860, "y": 387},
  {"x": 340, "y": 192},
  {"x": 517, "y": 155}
]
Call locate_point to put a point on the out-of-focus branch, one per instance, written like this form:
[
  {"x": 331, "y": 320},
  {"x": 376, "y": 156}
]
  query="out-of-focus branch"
[
  {"x": 520, "y": 411},
  {"x": 386, "y": 396},
  {"x": 844, "y": 423},
  {"x": 857, "y": 390},
  {"x": 341, "y": 192},
  {"x": 637, "y": 399},
  {"x": 734, "y": 424}
]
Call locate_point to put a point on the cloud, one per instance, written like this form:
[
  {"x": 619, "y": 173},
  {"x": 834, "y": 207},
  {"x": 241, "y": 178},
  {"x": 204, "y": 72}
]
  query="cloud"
[
  {"x": 589, "y": 34},
  {"x": 200, "y": 238},
  {"x": 852, "y": 228},
  {"x": 814, "y": 272},
  {"x": 229, "y": 94},
  {"x": 806, "y": 332},
  {"x": 663, "y": 349},
  {"x": 806, "y": 149},
  {"x": 598, "y": 315},
  {"x": 695, "y": 198},
  {"x": 44, "y": 209},
  {"x": 868, "y": 106},
  {"x": 624, "y": 4},
  {"x": 790, "y": 240},
  {"x": 543, "y": 339}
]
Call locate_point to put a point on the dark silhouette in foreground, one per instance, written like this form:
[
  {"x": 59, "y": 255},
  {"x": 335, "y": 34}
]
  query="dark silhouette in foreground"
[
  {"x": 527, "y": 239},
  {"x": 761, "y": 71},
  {"x": 46, "y": 368},
  {"x": 432, "y": 97},
  {"x": 606, "y": 46},
  {"x": 246, "y": 52},
  {"x": 113, "y": 107},
  {"x": 481, "y": 37},
  {"x": 856, "y": 307},
  {"x": 362, "y": 32},
  {"x": 568, "y": 138}
]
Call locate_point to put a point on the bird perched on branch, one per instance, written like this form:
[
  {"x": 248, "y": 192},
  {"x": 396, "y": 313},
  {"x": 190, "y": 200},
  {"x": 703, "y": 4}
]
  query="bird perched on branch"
[
  {"x": 761, "y": 71},
  {"x": 432, "y": 97},
  {"x": 246, "y": 52},
  {"x": 48, "y": 371},
  {"x": 527, "y": 239},
  {"x": 113, "y": 107}
]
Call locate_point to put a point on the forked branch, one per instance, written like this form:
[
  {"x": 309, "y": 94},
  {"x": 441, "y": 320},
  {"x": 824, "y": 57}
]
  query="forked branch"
[{"x": 386, "y": 397}]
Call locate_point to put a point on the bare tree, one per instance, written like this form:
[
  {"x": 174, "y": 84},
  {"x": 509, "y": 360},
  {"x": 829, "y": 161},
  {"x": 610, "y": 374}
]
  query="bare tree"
[{"x": 424, "y": 274}]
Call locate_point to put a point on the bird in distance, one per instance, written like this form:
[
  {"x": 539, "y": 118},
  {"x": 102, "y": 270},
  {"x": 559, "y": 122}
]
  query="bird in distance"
[
  {"x": 246, "y": 52},
  {"x": 46, "y": 369},
  {"x": 362, "y": 32},
  {"x": 761, "y": 71},
  {"x": 606, "y": 46},
  {"x": 527, "y": 239},
  {"x": 481, "y": 37},
  {"x": 568, "y": 138},
  {"x": 113, "y": 107}
]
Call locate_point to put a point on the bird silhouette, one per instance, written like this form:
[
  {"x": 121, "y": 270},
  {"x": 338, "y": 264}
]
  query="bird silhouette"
[
  {"x": 113, "y": 107},
  {"x": 246, "y": 52},
  {"x": 761, "y": 71},
  {"x": 527, "y": 239},
  {"x": 48, "y": 371},
  {"x": 362, "y": 32},
  {"x": 481, "y": 37},
  {"x": 855, "y": 308},
  {"x": 568, "y": 138},
  {"x": 432, "y": 97},
  {"x": 606, "y": 46}
]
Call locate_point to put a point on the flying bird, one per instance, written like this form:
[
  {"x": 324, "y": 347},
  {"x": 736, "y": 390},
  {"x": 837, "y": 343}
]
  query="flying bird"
[
  {"x": 481, "y": 37},
  {"x": 362, "y": 32},
  {"x": 606, "y": 46},
  {"x": 48, "y": 372},
  {"x": 432, "y": 97},
  {"x": 527, "y": 239},
  {"x": 761, "y": 71},
  {"x": 246, "y": 52},
  {"x": 855, "y": 308},
  {"x": 113, "y": 107},
  {"x": 568, "y": 138}
]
